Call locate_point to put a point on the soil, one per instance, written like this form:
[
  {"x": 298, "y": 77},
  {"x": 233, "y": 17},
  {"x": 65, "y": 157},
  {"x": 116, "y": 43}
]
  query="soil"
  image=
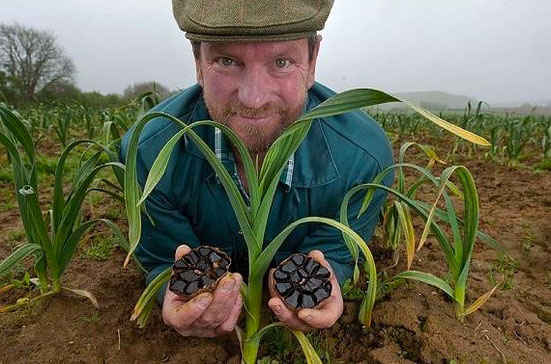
[{"x": 411, "y": 324}]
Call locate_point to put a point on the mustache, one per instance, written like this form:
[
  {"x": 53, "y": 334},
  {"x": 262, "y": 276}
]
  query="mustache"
[{"x": 236, "y": 108}]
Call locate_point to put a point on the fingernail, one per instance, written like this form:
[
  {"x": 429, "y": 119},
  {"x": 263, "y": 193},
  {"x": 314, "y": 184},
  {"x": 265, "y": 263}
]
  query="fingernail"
[
  {"x": 307, "y": 318},
  {"x": 204, "y": 302},
  {"x": 277, "y": 308},
  {"x": 228, "y": 286}
]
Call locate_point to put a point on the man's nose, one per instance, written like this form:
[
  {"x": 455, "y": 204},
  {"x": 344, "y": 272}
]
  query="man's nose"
[{"x": 254, "y": 89}]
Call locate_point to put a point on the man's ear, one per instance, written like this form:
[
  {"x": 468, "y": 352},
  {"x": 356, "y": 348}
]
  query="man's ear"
[
  {"x": 312, "y": 69},
  {"x": 198, "y": 72}
]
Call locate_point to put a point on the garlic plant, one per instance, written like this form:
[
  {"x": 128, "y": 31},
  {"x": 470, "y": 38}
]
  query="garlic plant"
[{"x": 252, "y": 221}]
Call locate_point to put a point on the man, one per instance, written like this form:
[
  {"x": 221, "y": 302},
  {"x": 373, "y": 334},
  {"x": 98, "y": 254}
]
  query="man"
[{"x": 255, "y": 64}]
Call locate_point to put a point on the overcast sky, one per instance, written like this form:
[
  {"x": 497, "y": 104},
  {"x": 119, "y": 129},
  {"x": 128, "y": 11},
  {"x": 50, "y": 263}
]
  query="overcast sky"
[{"x": 495, "y": 50}]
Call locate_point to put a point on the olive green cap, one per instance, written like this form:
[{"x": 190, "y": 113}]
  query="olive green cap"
[{"x": 250, "y": 20}]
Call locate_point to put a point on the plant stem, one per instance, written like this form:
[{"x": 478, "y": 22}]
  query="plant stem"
[
  {"x": 56, "y": 286},
  {"x": 43, "y": 280},
  {"x": 25, "y": 302},
  {"x": 254, "y": 301}
]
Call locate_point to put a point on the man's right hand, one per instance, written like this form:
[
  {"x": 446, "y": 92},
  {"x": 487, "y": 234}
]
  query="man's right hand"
[{"x": 208, "y": 314}]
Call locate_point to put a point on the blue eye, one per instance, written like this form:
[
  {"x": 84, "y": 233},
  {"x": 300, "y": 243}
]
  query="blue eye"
[{"x": 282, "y": 63}]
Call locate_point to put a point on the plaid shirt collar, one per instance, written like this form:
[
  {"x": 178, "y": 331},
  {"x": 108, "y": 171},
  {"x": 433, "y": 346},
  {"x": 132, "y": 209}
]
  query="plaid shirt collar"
[{"x": 225, "y": 155}]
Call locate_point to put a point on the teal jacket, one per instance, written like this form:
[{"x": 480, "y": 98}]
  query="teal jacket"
[{"x": 189, "y": 204}]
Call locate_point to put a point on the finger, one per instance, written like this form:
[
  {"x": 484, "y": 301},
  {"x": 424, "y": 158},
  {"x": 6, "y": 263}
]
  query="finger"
[
  {"x": 229, "y": 324},
  {"x": 224, "y": 298},
  {"x": 181, "y": 315},
  {"x": 238, "y": 277},
  {"x": 181, "y": 251},
  {"x": 285, "y": 315},
  {"x": 319, "y": 257},
  {"x": 324, "y": 316},
  {"x": 271, "y": 283}
]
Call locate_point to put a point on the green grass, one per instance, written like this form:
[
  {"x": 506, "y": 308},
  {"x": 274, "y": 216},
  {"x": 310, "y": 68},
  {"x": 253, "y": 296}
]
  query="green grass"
[
  {"x": 6, "y": 174},
  {"x": 100, "y": 248},
  {"x": 46, "y": 164},
  {"x": 96, "y": 198},
  {"x": 114, "y": 212},
  {"x": 15, "y": 237},
  {"x": 7, "y": 199},
  {"x": 544, "y": 165},
  {"x": 284, "y": 348},
  {"x": 505, "y": 267},
  {"x": 7, "y": 206},
  {"x": 17, "y": 272},
  {"x": 93, "y": 318}
]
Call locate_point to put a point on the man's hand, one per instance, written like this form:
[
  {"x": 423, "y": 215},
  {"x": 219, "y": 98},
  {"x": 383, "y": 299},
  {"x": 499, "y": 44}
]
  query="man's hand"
[
  {"x": 208, "y": 314},
  {"x": 307, "y": 319}
]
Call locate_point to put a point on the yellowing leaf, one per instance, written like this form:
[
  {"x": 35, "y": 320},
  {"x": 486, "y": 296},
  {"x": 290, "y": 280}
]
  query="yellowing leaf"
[
  {"x": 84, "y": 293},
  {"x": 479, "y": 302}
]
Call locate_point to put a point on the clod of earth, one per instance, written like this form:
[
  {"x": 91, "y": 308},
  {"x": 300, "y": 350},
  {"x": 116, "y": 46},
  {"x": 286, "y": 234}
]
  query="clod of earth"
[
  {"x": 302, "y": 282},
  {"x": 199, "y": 271}
]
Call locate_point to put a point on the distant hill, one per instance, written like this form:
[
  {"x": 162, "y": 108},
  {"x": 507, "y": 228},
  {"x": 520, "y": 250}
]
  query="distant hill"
[
  {"x": 443, "y": 101},
  {"x": 438, "y": 99},
  {"x": 432, "y": 100}
]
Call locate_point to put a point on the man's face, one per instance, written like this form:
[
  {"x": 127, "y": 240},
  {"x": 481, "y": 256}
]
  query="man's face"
[{"x": 257, "y": 89}]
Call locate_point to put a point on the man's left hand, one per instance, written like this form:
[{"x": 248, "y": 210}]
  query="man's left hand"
[{"x": 308, "y": 319}]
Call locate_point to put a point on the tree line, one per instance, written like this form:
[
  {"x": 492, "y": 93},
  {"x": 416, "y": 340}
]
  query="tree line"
[{"x": 35, "y": 69}]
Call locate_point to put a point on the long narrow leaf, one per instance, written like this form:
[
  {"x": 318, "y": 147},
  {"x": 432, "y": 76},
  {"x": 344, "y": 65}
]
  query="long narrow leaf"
[
  {"x": 148, "y": 296},
  {"x": 22, "y": 178},
  {"x": 261, "y": 264},
  {"x": 70, "y": 245},
  {"x": 309, "y": 353},
  {"x": 15, "y": 257},
  {"x": 132, "y": 187},
  {"x": 74, "y": 204},
  {"x": 277, "y": 157},
  {"x": 479, "y": 302},
  {"x": 429, "y": 279},
  {"x": 114, "y": 195},
  {"x": 485, "y": 238},
  {"x": 84, "y": 293},
  {"x": 364, "y": 97},
  {"x": 446, "y": 174},
  {"x": 420, "y": 209},
  {"x": 158, "y": 167},
  {"x": 59, "y": 201},
  {"x": 17, "y": 128},
  {"x": 407, "y": 226}
]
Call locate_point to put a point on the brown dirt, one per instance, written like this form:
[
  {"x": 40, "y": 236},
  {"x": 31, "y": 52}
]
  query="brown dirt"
[{"x": 412, "y": 324}]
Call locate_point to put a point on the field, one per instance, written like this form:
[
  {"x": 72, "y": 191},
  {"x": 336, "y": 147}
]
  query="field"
[{"x": 412, "y": 322}]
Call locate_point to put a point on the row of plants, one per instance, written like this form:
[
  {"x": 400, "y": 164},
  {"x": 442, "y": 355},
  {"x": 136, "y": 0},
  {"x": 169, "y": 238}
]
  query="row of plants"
[
  {"x": 53, "y": 236},
  {"x": 69, "y": 121},
  {"x": 512, "y": 137}
]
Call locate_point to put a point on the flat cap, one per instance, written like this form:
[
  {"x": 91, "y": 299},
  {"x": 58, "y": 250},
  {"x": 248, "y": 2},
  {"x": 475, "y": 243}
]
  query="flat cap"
[{"x": 250, "y": 20}]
